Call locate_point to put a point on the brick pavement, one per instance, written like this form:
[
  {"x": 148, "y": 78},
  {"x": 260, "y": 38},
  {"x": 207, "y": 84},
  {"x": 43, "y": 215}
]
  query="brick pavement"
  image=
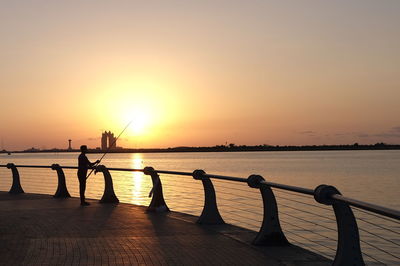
[{"x": 40, "y": 230}]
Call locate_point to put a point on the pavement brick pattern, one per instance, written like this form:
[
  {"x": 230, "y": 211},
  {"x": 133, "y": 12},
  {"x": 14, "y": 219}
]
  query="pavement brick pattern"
[{"x": 40, "y": 230}]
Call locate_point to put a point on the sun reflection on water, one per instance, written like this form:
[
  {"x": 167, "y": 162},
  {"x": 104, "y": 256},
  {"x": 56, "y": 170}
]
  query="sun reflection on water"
[{"x": 137, "y": 177}]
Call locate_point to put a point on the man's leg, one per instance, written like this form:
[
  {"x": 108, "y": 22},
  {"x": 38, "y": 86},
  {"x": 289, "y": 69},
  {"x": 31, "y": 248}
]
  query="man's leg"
[{"x": 82, "y": 188}]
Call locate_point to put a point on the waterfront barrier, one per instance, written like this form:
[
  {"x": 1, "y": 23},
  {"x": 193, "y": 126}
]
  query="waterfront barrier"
[{"x": 348, "y": 250}]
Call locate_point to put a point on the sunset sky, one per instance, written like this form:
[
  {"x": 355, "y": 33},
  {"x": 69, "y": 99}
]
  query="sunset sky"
[{"x": 199, "y": 73}]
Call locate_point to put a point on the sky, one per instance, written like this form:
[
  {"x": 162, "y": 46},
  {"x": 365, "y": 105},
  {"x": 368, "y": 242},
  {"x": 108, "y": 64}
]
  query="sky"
[{"x": 199, "y": 73}]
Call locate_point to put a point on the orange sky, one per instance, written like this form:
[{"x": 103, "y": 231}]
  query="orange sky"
[{"x": 194, "y": 74}]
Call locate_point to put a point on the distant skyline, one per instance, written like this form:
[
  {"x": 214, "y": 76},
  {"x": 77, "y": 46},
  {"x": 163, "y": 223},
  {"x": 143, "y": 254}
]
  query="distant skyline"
[{"x": 199, "y": 73}]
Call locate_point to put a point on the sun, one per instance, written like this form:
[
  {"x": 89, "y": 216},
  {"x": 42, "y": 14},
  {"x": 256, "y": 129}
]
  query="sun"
[
  {"x": 139, "y": 119},
  {"x": 145, "y": 104}
]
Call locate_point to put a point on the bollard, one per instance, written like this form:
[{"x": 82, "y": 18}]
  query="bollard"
[
  {"x": 157, "y": 203},
  {"x": 109, "y": 195},
  {"x": 348, "y": 251},
  {"x": 210, "y": 213},
  {"x": 270, "y": 233},
  {"x": 62, "y": 191},
  {"x": 16, "y": 185}
]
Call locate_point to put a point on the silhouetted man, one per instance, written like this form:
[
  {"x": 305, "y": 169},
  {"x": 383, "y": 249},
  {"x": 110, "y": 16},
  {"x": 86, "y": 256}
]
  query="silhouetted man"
[{"x": 83, "y": 165}]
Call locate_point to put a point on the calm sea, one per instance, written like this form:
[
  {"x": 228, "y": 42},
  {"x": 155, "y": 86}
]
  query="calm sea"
[{"x": 372, "y": 176}]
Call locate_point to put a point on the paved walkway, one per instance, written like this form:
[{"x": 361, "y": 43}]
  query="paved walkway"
[{"x": 40, "y": 230}]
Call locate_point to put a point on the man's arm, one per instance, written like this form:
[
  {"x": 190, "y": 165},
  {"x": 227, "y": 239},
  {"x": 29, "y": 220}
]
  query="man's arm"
[
  {"x": 88, "y": 163},
  {"x": 93, "y": 164}
]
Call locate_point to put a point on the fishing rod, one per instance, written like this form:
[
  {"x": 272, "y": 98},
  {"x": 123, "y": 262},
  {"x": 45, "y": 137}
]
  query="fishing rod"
[{"x": 109, "y": 147}]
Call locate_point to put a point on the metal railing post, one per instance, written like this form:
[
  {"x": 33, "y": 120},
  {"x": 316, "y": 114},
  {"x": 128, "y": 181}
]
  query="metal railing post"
[
  {"x": 210, "y": 213},
  {"x": 62, "y": 191},
  {"x": 16, "y": 187},
  {"x": 109, "y": 194},
  {"x": 348, "y": 251},
  {"x": 270, "y": 233},
  {"x": 157, "y": 203}
]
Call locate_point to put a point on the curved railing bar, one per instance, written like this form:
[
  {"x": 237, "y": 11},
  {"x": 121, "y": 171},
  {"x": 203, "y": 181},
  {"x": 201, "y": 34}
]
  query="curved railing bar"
[
  {"x": 109, "y": 194},
  {"x": 352, "y": 202},
  {"x": 210, "y": 213},
  {"x": 290, "y": 188},
  {"x": 157, "y": 203},
  {"x": 368, "y": 206},
  {"x": 31, "y": 166},
  {"x": 230, "y": 178},
  {"x": 269, "y": 232},
  {"x": 125, "y": 169},
  {"x": 173, "y": 172},
  {"x": 72, "y": 167},
  {"x": 41, "y": 166}
]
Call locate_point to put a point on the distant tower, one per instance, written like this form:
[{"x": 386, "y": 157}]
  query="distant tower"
[
  {"x": 69, "y": 145},
  {"x": 112, "y": 141},
  {"x": 108, "y": 141},
  {"x": 104, "y": 140}
]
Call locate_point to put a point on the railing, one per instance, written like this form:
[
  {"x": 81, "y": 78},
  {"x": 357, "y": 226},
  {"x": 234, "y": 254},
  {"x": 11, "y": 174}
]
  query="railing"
[{"x": 348, "y": 250}]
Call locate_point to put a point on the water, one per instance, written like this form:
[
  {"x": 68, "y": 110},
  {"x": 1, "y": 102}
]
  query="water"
[{"x": 371, "y": 176}]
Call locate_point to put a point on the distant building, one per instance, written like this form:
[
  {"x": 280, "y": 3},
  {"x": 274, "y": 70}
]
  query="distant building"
[
  {"x": 69, "y": 145},
  {"x": 112, "y": 141},
  {"x": 108, "y": 141},
  {"x": 104, "y": 138}
]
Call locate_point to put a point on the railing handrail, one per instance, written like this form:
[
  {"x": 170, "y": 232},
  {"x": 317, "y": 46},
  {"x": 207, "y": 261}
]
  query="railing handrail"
[
  {"x": 230, "y": 178},
  {"x": 348, "y": 249},
  {"x": 388, "y": 212},
  {"x": 29, "y": 166},
  {"x": 301, "y": 190},
  {"x": 124, "y": 169}
]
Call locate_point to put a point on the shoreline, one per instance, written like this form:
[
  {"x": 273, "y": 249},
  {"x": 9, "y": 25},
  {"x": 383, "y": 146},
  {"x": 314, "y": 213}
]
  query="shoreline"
[{"x": 242, "y": 148}]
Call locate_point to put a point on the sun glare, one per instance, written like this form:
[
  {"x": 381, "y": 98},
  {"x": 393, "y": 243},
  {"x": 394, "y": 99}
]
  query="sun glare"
[
  {"x": 145, "y": 103},
  {"x": 140, "y": 121},
  {"x": 139, "y": 117},
  {"x": 140, "y": 184}
]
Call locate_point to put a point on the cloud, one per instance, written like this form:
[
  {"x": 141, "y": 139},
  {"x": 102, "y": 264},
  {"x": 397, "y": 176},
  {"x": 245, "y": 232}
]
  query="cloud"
[
  {"x": 307, "y": 132},
  {"x": 396, "y": 129},
  {"x": 388, "y": 135},
  {"x": 394, "y": 132},
  {"x": 94, "y": 138}
]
